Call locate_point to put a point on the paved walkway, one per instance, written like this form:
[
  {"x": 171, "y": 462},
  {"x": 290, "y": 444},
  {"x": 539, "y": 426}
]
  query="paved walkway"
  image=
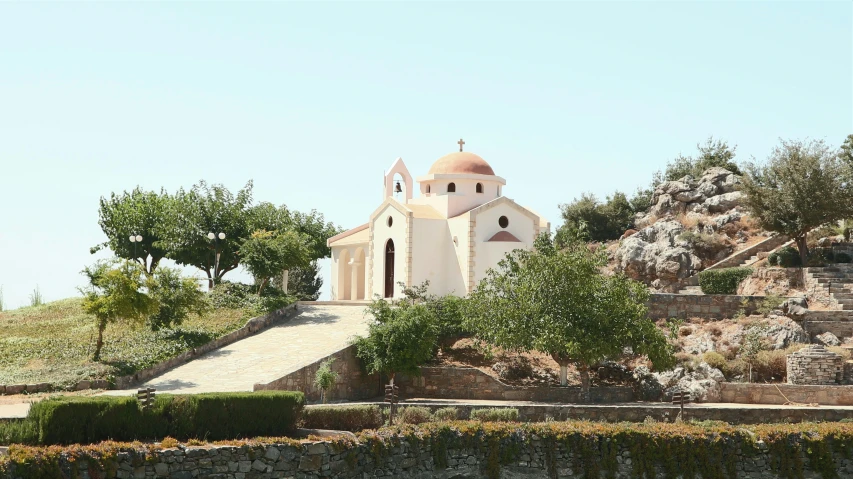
[{"x": 318, "y": 331}]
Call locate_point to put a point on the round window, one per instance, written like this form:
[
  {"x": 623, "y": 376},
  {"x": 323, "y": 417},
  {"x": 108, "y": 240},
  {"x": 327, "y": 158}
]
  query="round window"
[
  {"x": 390, "y": 221},
  {"x": 503, "y": 221}
]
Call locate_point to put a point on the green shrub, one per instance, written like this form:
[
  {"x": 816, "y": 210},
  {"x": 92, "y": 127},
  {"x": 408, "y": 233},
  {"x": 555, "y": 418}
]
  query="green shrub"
[
  {"x": 415, "y": 415},
  {"x": 446, "y": 414},
  {"x": 715, "y": 360},
  {"x": 213, "y": 416},
  {"x": 842, "y": 258},
  {"x": 495, "y": 415},
  {"x": 243, "y": 296},
  {"x": 722, "y": 281},
  {"x": 821, "y": 257},
  {"x": 16, "y": 431},
  {"x": 787, "y": 257},
  {"x": 343, "y": 418}
]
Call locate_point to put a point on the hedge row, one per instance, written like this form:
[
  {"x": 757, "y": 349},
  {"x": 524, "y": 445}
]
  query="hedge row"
[
  {"x": 722, "y": 281},
  {"x": 214, "y": 416},
  {"x": 688, "y": 450}
]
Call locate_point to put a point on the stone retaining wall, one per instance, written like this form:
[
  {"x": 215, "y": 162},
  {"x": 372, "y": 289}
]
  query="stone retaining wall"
[
  {"x": 404, "y": 458},
  {"x": 782, "y": 393},
  {"x": 471, "y": 383},
  {"x": 352, "y": 383},
  {"x": 814, "y": 364},
  {"x": 708, "y": 306}
]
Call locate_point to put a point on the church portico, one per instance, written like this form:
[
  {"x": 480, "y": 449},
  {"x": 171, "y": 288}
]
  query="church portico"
[{"x": 450, "y": 235}]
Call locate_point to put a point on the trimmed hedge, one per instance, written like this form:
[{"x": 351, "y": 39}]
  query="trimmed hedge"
[
  {"x": 786, "y": 257},
  {"x": 497, "y": 414},
  {"x": 722, "y": 281},
  {"x": 343, "y": 418},
  {"x": 213, "y": 416}
]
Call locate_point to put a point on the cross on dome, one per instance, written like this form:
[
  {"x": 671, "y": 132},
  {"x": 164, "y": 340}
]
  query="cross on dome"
[{"x": 460, "y": 143}]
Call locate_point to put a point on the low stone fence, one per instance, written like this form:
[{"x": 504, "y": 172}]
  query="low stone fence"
[
  {"x": 352, "y": 383},
  {"x": 782, "y": 393},
  {"x": 518, "y": 455},
  {"x": 708, "y": 306},
  {"x": 471, "y": 383},
  {"x": 814, "y": 364}
]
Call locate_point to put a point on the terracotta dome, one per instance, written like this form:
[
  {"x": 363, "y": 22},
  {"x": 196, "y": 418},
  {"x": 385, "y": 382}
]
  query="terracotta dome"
[{"x": 461, "y": 162}]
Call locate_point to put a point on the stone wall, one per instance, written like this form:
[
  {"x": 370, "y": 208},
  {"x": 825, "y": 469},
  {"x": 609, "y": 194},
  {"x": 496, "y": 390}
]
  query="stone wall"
[
  {"x": 352, "y": 383},
  {"x": 782, "y": 393},
  {"x": 708, "y": 306},
  {"x": 814, "y": 364},
  {"x": 403, "y": 458},
  {"x": 471, "y": 383}
]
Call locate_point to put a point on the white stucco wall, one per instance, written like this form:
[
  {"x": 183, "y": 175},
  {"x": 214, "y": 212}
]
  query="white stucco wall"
[
  {"x": 463, "y": 199},
  {"x": 488, "y": 254},
  {"x": 381, "y": 234},
  {"x": 457, "y": 271},
  {"x": 340, "y": 287}
]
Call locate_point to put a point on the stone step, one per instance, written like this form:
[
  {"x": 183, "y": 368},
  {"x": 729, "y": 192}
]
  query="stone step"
[
  {"x": 831, "y": 275},
  {"x": 829, "y": 315},
  {"x": 840, "y": 296},
  {"x": 839, "y": 288},
  {"x": 690, "y": 290}
]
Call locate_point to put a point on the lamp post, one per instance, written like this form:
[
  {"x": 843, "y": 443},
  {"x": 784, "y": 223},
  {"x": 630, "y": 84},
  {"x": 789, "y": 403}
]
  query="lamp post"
[
  {"x": 216, "y": 237},
  {"x": 135, "y": 239}
]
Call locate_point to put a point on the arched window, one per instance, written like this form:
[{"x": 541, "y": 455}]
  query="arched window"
[
  {"x": 479, "y": 187},
  {"x": 451, "y": 188}
]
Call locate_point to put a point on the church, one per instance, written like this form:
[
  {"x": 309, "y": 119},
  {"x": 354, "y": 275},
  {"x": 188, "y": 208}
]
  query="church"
[{"x": 458, "y": 227}]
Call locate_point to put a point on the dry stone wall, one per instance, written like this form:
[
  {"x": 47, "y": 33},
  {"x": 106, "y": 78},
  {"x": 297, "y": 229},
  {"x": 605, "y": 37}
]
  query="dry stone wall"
[
  {"x": 754, "y": 393},
  {"x": 404, "y": 459},
  {"x": 814, "y": 365},
  {"x": 708, "y": 306},
  {"x": 471, "y": 383}
]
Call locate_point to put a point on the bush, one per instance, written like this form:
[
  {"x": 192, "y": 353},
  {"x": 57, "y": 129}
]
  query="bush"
[
  {"x": 446, "y": 414},
  {"x": 722, "y": 281},
  {"x": 770, "y": 366},
  {"x": 213, "y": 416},
  {"x": 842, "y": 258},
  {"x": 602, "y": 221},
  {"x": 787, "y": 257},
  {"x": 495, "y": 415},
  {"x": 415, "y": 415},
  {"x": 705, "y": 245},
  {"x": 343, "y": 418},
  {"x": 821, "y": 257},
  {"x": 15, "y": 431},
  {"x": 242, "y": 296},
  {"x": 715, "y": 360}
]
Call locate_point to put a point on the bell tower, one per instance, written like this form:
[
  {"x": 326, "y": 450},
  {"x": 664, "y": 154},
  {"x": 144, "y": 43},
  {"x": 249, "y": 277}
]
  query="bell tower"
[{"x": 403, "y": 185}]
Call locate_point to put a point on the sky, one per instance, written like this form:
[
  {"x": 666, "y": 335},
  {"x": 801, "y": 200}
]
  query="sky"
[{"x": 314, "y": 101}]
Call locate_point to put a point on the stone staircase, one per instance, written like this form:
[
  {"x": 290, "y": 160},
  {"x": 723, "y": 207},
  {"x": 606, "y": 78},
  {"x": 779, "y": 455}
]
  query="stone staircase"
[
  {"x": 744, "y": 257},
  {"x": 834, "y": 283}
]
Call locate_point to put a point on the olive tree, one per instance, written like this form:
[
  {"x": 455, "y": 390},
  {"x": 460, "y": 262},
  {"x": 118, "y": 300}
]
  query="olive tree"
[
  {"x": 559, "y": 302},
  {"x": 802, "y": 185},
  {"x": 266, "y": 254}
]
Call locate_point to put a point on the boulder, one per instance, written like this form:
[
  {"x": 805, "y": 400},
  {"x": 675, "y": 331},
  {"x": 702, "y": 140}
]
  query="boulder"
[
  {"x": 796, "y": 307},
  {"x": 653, "y": 254},
  {"x": 783, "y": 332},
  {"x": 647, "y": 386},
  {"x": 724, "y": 202},
  {"x": 702, "y": 383},
  {"x": 715, "y": 175},
  {"x": 827, "y": 339},
  {"x": 688, "y": 196}
]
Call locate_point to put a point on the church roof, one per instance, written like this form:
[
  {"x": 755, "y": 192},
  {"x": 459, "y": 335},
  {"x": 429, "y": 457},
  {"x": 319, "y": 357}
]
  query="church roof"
[
  {"x": 352, "y": 236},
  {"x": 424, "y": 211},
  {"x": 461, "y": 162},
  {"x": 504, "y": 236}
]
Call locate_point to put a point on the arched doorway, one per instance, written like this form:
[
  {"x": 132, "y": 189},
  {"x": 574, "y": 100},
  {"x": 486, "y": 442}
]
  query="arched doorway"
[
  {"x": 389, "y": 268},
  {"x": 358, "y": 273}
]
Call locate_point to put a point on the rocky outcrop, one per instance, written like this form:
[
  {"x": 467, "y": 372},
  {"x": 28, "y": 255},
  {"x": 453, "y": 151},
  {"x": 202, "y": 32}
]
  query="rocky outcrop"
[
  {"x": 783, "y": 332},
  {"x": 702, "y": 383},
  {"x": 715, "y": 192},
  {"x": 656, "y": 256}
]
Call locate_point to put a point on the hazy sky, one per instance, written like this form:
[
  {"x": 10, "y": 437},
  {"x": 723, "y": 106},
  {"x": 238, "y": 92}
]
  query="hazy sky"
[{"x": 313, "y": 101}]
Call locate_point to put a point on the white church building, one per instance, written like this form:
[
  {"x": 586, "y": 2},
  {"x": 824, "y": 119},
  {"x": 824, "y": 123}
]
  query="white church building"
[{"x": 458, "y": 227}]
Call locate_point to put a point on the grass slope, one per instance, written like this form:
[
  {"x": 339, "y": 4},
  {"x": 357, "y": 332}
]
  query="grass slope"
[{"x": 53, "y": 343}]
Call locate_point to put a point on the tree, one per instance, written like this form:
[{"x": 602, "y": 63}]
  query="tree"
[
  {"x": 604, "y": 221},
  {"x": 142, "y": 213},
  {"x": 325, "y": 378},
  {"x": 714, "y": 153},
  {"x": 754, "y": 341},
  {"x": 303, "y": 282},
  {"x": 117, "y": 291},
  {"x": 559, "y": 302},
  {"x": 266, "y": 254},
  {"x": 845, "y": 153},
  {"x": 177, "y": 297},
  {"x": 399, "y": 339},
  {"x": 209, "y": 209},
  {"x": 801, "y": 186}
]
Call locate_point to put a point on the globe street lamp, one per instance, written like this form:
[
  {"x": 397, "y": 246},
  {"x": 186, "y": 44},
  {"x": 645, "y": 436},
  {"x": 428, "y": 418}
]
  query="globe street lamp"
[
  {"x": 216, "y": 237},
  {"x": 135, "y": 239}
]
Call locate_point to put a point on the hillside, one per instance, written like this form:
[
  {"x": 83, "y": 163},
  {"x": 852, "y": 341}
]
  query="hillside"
[{"x": 53, "y": 343}]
